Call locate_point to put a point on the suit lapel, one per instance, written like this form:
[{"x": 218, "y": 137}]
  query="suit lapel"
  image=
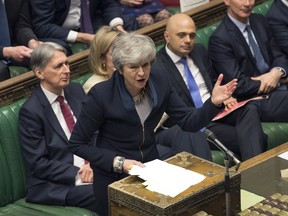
[
  {"x": 238, "y": 37},
  {"x": 72, "y": 101},
  {"x": 175, "y": 75},
  {"x": 49, "y": 113},
  {"x": 199, "y": 62}
]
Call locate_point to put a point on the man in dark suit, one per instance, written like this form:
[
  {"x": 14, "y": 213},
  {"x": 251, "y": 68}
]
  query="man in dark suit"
[
  {"x": 241, "y": 130},
  {"x": 21, "y": 37},
  {"x": 242, "y": 47},
  {"x": 60, "y": 20},
  {"x": 278, "y": 21},
  {"x": 54, "y": 175}
]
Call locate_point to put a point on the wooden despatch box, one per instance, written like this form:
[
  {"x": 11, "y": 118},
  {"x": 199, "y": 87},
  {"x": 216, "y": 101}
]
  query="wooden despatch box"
[{"x": 128, "y": 197}]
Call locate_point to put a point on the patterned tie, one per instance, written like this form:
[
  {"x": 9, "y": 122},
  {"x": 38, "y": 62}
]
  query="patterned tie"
[
  {"x": 5, "y": 35},
  {"x": 86, "y": 24},
  {"x": 192, "y": 85},
  {"x": 66, "y": 113},
  {"x": 260, "y": 62}
]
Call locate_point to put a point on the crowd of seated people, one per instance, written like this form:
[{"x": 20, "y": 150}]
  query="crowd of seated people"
[
  {"x": 26, "y": 22},
  {"x": 42, "y": 117}
]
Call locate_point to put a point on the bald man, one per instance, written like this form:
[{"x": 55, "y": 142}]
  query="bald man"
[{"x": 240, "y": 131}]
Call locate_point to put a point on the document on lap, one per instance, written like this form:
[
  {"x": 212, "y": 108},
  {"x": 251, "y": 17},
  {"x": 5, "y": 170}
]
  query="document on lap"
[
  {"x": 167, "y": 179},
  {"x": 236, "y": 106}
]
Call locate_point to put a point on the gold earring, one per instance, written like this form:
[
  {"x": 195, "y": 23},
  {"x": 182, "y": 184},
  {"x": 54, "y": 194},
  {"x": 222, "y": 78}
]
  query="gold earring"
[{"x": 103, "y": 66}]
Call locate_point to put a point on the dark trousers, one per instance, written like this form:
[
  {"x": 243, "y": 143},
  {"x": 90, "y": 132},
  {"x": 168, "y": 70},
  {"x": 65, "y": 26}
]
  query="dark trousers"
[
  {"x": 82, "y": 196},
  {"x": 241, "y": 132},
  {"x": 275, "y": 108},
  {"x": 179, "y": 140}
]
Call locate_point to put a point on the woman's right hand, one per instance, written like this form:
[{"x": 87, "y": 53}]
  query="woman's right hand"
[{"x": 127, "y": 165}]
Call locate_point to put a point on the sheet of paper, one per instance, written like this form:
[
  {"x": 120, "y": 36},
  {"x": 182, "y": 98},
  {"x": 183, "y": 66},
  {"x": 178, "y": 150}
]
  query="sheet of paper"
[
  {"x": 188, "y": 4},
  {"x": 168, "y": 179},
  {"x": 284, "y": 155}
]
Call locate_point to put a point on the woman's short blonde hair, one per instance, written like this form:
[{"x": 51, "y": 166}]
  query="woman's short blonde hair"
[{"x": 101, "y": 43}]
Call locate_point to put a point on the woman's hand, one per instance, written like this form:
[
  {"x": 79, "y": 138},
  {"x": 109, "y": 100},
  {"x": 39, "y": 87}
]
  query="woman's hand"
[
  {"x": 127, "y": 165},
  {"x": 224, "y": 92}
]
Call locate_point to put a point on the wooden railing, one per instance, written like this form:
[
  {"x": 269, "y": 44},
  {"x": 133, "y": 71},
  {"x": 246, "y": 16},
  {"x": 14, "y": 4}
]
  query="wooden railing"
[{"x": 21, "y": 86}]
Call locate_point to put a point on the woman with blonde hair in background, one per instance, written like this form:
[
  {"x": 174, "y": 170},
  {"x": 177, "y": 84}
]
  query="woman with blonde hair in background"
[{"x": 100, "y": 56}]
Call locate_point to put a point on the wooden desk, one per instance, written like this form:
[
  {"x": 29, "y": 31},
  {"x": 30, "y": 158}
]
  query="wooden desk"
[
  {"x": 261, "y": 175},
  {"x": 263, "y": 157},
  {"x": 129, "y": 197}
]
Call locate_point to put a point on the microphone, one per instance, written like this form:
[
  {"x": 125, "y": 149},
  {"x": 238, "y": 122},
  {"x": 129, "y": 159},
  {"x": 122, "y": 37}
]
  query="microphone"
[{"x": 212, "y": 138}]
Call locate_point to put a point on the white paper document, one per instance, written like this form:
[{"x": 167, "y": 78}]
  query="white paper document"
[
  {"x": 165, "y": 178},
  {"x": 284, "y": 155}
]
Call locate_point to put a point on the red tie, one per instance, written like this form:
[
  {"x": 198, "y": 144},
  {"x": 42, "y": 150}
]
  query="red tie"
[{"x": 66, "y": 113}]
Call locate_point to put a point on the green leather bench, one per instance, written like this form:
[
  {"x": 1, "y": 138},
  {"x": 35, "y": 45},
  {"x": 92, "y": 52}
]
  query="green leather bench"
[{"x": 12, "y": 178}]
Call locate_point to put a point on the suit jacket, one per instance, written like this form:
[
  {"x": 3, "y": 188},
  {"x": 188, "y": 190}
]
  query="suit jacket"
[
  {"x": 167, "y": 66},
  {"x": 231, "y": 55},
  {"x": 49, "y": 163},
  {"x": 19, "y": 22},
  {"x": 278, "y": 21},
  {"x": 120, "y": 129},
  {"x": 49, "y": 15}
]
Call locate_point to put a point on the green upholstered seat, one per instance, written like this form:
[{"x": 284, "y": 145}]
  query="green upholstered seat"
[
  {"x": 17, "y": 70},
  {"x": 203, "y": 34},
  {"x": 263, "y": 8},
  {"x": 173, "y": 10}
]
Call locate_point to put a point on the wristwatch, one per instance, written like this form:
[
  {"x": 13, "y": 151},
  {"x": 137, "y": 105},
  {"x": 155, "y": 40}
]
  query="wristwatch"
[
  {"x": 118, "y": 164},
  {"x": 282, "y": 71}
]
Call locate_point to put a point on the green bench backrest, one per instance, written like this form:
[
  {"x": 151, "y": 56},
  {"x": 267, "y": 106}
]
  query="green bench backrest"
[{"x": 12, "y": 177}]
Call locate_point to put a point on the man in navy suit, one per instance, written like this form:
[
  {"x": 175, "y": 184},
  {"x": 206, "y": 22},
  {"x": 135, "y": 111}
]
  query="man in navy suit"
[
  {"x": 236, "y": 55},
  {"x": 54, "y": 175},
  {"x": 60, "y": 20},
  {"x": 240, "y": 131},
  {"x": 278, "y": 20},
  {"x": 22, "y": 38}
]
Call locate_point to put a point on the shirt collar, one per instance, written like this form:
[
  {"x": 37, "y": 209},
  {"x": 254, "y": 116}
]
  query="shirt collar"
[
  {"x": 285, "y": 2},
  {"x": 51, "y": 96},
  {"x": 241, "y": 26},
  {"x": 175, "y": 58}
]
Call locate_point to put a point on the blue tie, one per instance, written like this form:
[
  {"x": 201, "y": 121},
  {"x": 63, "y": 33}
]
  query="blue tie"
[
  {"x": 192, "y": 85},
  {"x": 5, "y": 35},
  {"x": 260, "y": 62}
]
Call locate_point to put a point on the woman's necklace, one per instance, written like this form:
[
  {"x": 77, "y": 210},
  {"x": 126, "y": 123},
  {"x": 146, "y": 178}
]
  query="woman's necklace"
[{"x": 138, "y": 98}]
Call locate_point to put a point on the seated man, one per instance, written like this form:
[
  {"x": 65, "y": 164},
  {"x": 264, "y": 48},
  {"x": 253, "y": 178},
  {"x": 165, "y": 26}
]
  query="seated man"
[
  {"x": 54, "y": 175},
  {"x": 278, "y": 21},
  {"x": 242, "y": 47},
  {"x": 240, "y": 131},
  {"x": 16, "y": 38},
  {"x": 72, "y": 20}
]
